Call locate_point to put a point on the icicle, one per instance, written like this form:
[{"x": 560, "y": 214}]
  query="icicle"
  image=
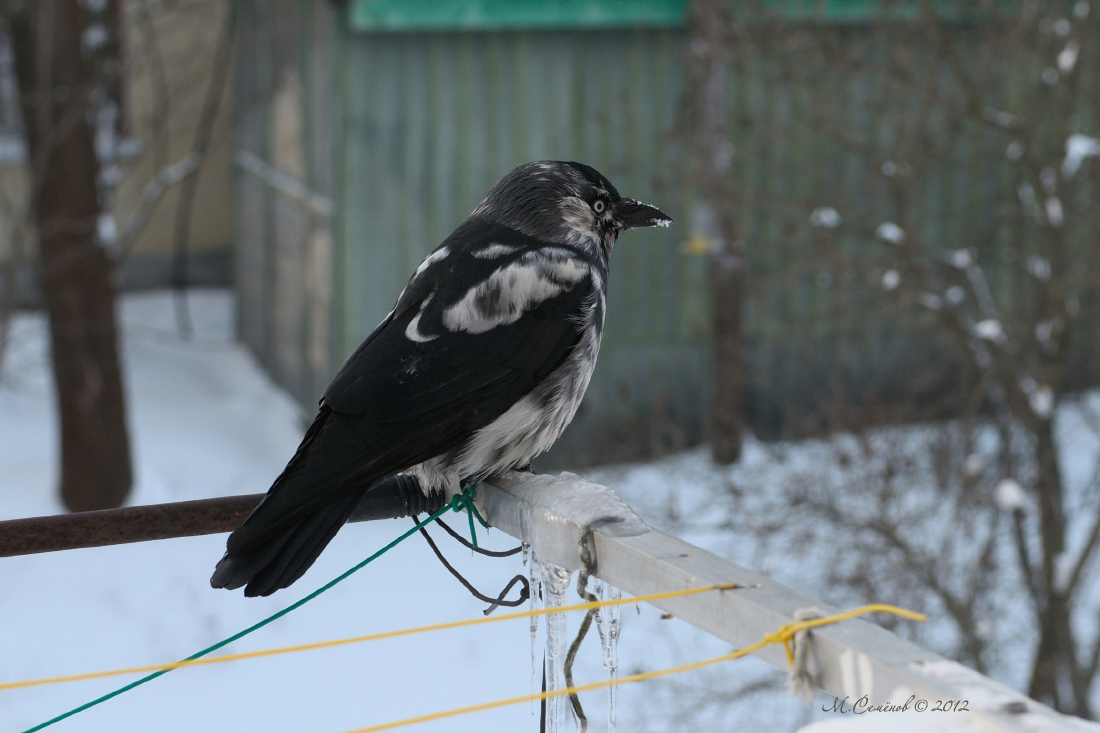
[
  {"x": 608, "y": 623},
  {"x": 532, "y": 563},
  {"x": 555, "y": 586}
]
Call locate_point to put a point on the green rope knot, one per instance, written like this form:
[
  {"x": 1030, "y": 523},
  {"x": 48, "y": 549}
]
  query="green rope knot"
[{"x": 465, "y": 501}]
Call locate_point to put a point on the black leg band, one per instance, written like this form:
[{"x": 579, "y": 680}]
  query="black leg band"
[{"x": 396, "y": 497}]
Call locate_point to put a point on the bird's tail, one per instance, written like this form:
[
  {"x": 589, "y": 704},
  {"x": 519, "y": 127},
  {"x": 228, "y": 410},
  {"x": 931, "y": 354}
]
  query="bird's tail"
[
  {"x": 264, "y": 557},
  {"x": 265, "y": 561},
  {"x": 302, "y": 512}
]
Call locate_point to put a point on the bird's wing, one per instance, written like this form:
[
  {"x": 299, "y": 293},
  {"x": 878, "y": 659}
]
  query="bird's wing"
[{"x": 474, "y": 331}]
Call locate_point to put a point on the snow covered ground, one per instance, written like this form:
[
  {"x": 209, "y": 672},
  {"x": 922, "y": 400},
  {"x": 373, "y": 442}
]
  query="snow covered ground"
[{"x": 206, "y": 421}]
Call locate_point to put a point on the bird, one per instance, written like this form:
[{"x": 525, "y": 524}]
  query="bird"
[{"x": 479, "y": 367}]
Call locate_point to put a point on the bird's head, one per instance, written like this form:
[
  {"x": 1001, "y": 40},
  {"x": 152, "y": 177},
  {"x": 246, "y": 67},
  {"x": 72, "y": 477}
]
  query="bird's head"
[{"x": 565, "y": 201}]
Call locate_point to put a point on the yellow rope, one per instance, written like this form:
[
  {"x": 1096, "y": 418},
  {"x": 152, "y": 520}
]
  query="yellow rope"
[
  {"x": 786, "y": 633},
  {"x": 782, "y": 636},
  {"x": 357, "y": 639}
]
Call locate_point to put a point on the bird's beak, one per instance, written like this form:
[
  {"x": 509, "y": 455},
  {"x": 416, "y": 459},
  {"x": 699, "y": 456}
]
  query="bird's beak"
[{"x": 636, "y": 214}]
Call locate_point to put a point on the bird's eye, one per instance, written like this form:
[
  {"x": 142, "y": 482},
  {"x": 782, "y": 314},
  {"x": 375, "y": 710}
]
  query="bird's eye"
[{"x": 599, "y": 206}]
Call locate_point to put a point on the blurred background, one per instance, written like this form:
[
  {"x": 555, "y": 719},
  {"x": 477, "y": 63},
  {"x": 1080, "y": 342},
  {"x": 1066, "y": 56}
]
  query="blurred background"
[{"x": 864, "y": 360}]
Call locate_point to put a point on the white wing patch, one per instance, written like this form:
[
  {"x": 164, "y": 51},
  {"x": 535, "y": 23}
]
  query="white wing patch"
[
  {"x": 412, "y": 331},
  {"x": 513, "y": 290},
  {"x": 556, "y": 254},
  {"x": 495, "y": 250},
  {"x": 433, "y": 257}
]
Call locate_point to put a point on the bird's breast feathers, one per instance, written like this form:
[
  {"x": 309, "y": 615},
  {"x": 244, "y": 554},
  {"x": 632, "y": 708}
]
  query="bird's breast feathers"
[{"x": 532, "y": 425}]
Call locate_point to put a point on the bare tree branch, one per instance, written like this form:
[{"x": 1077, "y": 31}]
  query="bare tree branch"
[
  {"x": 166, "y": 178},
  {"x": 223, "y": 59}
]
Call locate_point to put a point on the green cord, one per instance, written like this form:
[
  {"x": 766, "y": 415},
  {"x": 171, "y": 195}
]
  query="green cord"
[{"x": 465, "y": 500}]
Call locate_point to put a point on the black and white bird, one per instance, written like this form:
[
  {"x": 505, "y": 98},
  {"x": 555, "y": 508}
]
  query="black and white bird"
[{"x": 479, "y": 368}]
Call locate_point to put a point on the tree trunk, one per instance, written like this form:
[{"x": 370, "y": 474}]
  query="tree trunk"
[
  {"x": 1057, "y": 677},
  {"x": 727, "y": 268},
  {"x": 727, "y": 417},
  {"x": 61, "y": 80}
]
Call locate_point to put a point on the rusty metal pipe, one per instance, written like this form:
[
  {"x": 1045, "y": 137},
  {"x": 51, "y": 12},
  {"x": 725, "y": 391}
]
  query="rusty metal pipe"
[
  {"x": 129, "y": 524},
  {"x": 396, "y": 497}
]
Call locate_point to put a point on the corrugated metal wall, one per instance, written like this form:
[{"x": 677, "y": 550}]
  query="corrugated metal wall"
[{"x": 288, "y": 55}]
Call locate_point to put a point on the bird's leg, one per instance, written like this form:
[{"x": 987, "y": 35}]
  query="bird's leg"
[
  {"x": 588, "y": 566},
  {"x": 395, "y": 497},
  {"x": 434, "y": 476}
]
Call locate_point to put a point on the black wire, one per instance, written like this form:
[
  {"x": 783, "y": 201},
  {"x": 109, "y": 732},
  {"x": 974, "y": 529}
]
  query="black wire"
[
  {"x": 588, "y": 563},
  {"x": 494, "y": 603},
  {"x": 470, "y": 545},
  {"x": 542, "y": 707}
]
